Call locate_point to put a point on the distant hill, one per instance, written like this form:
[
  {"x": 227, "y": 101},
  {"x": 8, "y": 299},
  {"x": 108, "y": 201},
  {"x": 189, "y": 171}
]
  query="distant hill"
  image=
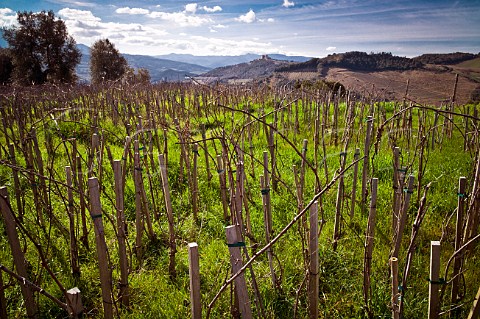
[
  {"x": 253, "y": 70},
  {"x": 358, "y": 61},
  {"x": 446, "y": 58},
  {"x": 213, "y": 61},
  {"x": 160, "y": 69}
]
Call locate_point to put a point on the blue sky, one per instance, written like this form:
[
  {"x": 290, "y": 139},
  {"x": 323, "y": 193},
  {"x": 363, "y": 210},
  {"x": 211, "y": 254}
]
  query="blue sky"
[{"x": 293, "y": 27}]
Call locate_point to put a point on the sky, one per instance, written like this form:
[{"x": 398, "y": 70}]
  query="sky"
[{"x": 292, "y": 27}]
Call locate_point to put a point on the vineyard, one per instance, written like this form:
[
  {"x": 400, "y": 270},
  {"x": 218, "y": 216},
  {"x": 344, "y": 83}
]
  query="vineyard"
[{"x": 180, "y": 200}]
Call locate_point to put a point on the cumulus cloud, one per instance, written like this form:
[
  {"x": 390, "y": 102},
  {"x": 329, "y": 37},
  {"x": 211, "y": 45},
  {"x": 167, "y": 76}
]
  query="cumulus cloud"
[
  {"x": 212, "y": 9},
  {"x": 288, "y": 4},
  {"x": 8, "y": 17},
  {"x": 331, "y": 48},
  {"x": 191, "y": 7},
  {"x": 180, "y": 18},
  {"x": 248, "y": 17},
  {"x": 128, "y": 10},
  {"x": 78, "y": 15},
  {"x": 267, "y": 20}
]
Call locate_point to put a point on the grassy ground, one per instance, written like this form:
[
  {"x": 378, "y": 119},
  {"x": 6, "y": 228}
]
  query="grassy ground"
[{"x": 153, "y": 293}]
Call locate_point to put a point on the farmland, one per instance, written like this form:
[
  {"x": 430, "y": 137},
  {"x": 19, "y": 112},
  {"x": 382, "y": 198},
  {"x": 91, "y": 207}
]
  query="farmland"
[{"x": 152, "y": 168}]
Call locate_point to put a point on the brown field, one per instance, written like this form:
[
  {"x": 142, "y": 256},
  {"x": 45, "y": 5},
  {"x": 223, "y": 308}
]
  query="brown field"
[{"x": 426, "y": 87}]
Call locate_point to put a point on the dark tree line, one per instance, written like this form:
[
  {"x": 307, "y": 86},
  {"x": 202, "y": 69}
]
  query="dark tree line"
[
  {"x": 447, "y": 58},
  {"x": 355, "y": 60}
]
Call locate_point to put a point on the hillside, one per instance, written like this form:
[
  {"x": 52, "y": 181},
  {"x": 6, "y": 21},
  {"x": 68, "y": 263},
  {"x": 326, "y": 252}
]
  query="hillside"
[
  {"x": 359, "y": 61},
  {"x": 245, "y": 72},
  {"x": 447, "y": 58},
  {"x": 160, "y": 69},
  {"x": 216, "y": 61}
]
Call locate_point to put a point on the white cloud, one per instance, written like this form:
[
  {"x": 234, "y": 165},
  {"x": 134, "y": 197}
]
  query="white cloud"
[
  {"x": 180, "y": 18},
  {"x": 331, "y": 48},
  {"x": 267, "y": 20},
  {"x": 248, "y": 17},
  {"x": 191, "y": 7},
  {"x": 213, "y": 9},
  {"x": 8, "y": 17},
  {"x": 288, "y": 4},
  {"x": 78, "y": 15},
  {"x": 128, "y": 10},
  {"x": 5, "y": 11}
]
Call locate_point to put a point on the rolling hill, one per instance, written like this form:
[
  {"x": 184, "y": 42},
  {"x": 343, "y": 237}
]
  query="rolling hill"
[{"x": 160, "y": 69}]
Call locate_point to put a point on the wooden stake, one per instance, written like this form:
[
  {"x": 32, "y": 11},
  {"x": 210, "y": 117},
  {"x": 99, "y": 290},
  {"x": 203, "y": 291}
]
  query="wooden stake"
[
  {"x": 223, "y": 188},
  {"x": 403, "y": 216},
  {"x": 369, "y": 237},
  {"x": 17, "y": 252},
  {"x": 124, "y": 297},
  {"x": 102, "y": 254},
  {"x": 16, "y": 181},
  {"x": 434, "y": 281},
  {"x": 194, "y": 271},
  {"x": 71, "y": 218},
  {"x": 397, "y": 189},
  {"x": 457, "y": 262},
  {"x": 267, "y": 217},
  {"x": 168, "y": 205},
  {"x": 3, "y": 301},
  {"x": 139, "y": 224},
  {"x": 313, "y": 266},
  {"x": 75, "y": 306},
  {"x": 366, "y": 158},
  {"x": 395, "y": 294},
  {"x": 475, "y": 310},
  {"x": 195, "y": 183},
  {"x": 205, "y": 150},
  {"x": 83, "y": 205},
  {"x": 234, "y": 243},
  {"x": 354, "y": 183}
]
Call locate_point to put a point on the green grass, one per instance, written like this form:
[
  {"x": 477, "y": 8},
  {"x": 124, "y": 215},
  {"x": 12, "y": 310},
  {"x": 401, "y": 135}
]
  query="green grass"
[{"x": 153, "y": 293}]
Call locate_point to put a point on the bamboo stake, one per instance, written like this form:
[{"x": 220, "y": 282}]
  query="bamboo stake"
[
  {"x": 74, "y": 303},
  {"x": 475, "y": 310},
  {"x": 194, "y": 272},
  {"x": 457, "y": 263},
  {"x": 3, "y": 301},
  {"x": 168, "y": 205},
  {"x": 75, "y": 267},
  {"x": 83, "y": 205},
  {"x": 273, "y": 162},
  {"x": 395, "y": 294},
  {"x": 397, "y": 189},
  {"x": 124, "y": 296},
  {"x": 102, "y": 253},
  {"x": 195, "y": 183},
  {"x": 16, "y": 181},
  {"x": 267, "y": 216},
  {"x": 366, "y": 159},
  {"x": 403, "y": 217},
  {"x": 434, "y": 281},
  {"x": 33, "y": 182},
  {"x": 223, "y": 188},
  {"x": 354, "y": 183},
  {"x": 234, "y": 243},
  {"x": 313, "y": 266},
  {"x": 369, "y": 237},
  {"x": 268, "y": 204},
  {"x": 139, "y": 224},
  {"x": 17, "y": 252},
  {"x": 205, "y": 149},
  {"x": 339, "y": 201}
]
